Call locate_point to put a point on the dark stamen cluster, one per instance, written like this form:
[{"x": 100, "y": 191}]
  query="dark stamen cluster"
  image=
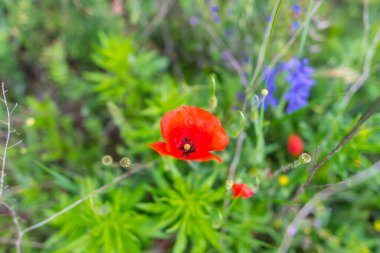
[{"x": 186, "y": 151}]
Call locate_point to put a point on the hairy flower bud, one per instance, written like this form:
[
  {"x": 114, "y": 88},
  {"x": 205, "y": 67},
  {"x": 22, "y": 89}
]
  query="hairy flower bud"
[
  {"x": 305, "y": 158},
  {"x": 125, "y": 162},
  {"x": 107, "y": 160}
]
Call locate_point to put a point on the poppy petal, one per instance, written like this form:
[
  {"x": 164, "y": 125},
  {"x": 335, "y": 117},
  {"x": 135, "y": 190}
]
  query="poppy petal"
[
  {"x": 160, "y": 147},
  {"x": 241, "y": 190},
  {"x": 220, "y": 140},
  {"x": 246, "y": 192},
  {"x": 192, "y": 117},
  {"x": 190, "y": 134},
  {"x": 237, "y": 189},
  {"x": 208, "y": 157}
]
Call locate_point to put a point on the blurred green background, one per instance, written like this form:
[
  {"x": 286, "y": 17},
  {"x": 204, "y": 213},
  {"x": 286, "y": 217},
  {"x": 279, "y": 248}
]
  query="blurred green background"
[{"x": 93, "y": 78}]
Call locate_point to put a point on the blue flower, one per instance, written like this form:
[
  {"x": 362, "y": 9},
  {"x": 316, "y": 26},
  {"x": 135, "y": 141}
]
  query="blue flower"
[
  {"x": 214, "y": 8},
  {"x": 216, "y": 19},
  {"x": 298, "y": 75},
  {"x": 228, "y": 33},
  {"x": 300, "y": 80},
  {"x": 240, "y": 96},
  {"x": 194, "y": 21},
  {"x": 226, "y": 55},
  {"x": 295, "y": 25},
  {"x": 270, "y": 76},
  {"x": 296, "y": 9}
]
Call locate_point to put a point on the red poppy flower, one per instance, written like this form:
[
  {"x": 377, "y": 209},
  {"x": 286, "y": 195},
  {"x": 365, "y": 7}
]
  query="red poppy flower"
[
  {"x": 295, "y": 145},
  {"x": 241, "y": 190},
  {"x": 190, "y": 134}
]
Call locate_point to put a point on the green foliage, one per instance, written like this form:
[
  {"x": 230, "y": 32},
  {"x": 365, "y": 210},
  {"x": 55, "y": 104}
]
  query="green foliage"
[
  {"x": 94, "y": 78},
  {"x": 185, "y": 208},
  {"x": 115, "y": 223},
  {"x": 126, "y": 70}
]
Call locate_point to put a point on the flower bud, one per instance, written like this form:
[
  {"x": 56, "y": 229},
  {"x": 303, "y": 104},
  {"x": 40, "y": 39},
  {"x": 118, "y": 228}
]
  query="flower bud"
[
  {"x": 295, "y": 145},
  {"x": 30, "y": 121},
  {"x": 229, "y": 184},
  {"x": 264, "y": 92},
  {"x": 305, "y": 158},
  {"x": 107, "y": 160},
  {"x": 125, "y": 162},
  {"x": 213, "y": 102}
]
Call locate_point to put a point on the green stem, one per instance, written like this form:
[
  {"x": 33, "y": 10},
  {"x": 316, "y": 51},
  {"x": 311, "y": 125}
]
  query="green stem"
[
  {"x": 265, "y": 45},
  {"x": 260, "y": 143},
  {"x": 306, "y": 29}
]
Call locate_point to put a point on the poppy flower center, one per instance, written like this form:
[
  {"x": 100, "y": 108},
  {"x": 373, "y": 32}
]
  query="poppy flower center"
[{"x": 186, "y": 146}]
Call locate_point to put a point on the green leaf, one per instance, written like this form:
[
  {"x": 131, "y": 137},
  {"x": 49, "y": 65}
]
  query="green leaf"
[
  {"x": 59, "y": 179},
  {"x": 181, "y": 240}
]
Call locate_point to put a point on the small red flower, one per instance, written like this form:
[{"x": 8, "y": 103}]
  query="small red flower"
[
  {"x": 241, "y": 190},
  {"x": 295, "y": 145},
  {"x": 190, "y": 134}
]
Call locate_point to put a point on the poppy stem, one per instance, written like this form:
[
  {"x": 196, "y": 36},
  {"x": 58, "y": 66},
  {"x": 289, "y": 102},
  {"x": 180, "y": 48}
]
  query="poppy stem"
[{"x": 235, "y": 160}]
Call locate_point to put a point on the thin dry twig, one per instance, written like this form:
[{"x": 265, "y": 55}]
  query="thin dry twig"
[
  {"x": 292, "y": 228},
  {"x": 366, "y": 23},
  {"x": 33, "y": 244},
  {"x": 17, "y": 143},
  {"x": 366, "y": 70},
  {"x": 16, "y": 224},
  {"x": 374, "y": 107},
  {"x": 13, "y": 109},
  {"x": 8, "y": 136}
]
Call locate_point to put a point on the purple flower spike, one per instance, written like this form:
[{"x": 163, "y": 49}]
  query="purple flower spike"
[
  {"x": 299, "y": 77},
  {"x": 270, "y": 76}
]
